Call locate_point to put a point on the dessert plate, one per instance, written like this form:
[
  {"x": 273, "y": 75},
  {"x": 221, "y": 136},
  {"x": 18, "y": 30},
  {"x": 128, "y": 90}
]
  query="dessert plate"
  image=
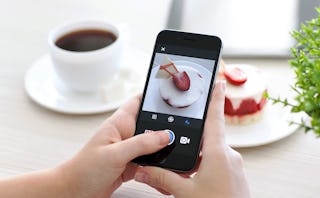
[
  {"x": 44, "y": 88},
  {"x": 273, "y": 126}
]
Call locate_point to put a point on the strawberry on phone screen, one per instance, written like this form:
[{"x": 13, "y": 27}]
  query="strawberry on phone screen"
[{"x": 182, "y": 81}]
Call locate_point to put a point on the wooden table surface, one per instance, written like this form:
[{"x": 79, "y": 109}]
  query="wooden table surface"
[{"x": 32, "y": 137}]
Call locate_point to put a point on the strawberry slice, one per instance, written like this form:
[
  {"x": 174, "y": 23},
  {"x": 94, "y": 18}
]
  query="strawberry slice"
[
  {"x": 235, "y": 76},
  {"x": 181, "y": 80}
]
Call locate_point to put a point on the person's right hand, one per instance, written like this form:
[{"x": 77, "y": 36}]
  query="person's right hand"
[{"x": 220, "y": 173}]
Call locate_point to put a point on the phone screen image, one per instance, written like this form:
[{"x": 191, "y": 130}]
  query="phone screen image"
[
  {"x": 164, "y": 96},
  {"x": 176, "y": 97}
]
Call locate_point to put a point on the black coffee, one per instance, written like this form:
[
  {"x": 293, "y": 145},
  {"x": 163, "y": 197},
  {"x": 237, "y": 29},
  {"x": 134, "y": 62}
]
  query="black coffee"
[{"x": 86, "y": 40}]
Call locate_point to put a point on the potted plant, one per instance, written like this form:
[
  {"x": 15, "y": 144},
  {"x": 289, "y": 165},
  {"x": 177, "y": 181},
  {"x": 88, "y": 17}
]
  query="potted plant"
[{"x": 306, "y": 64}]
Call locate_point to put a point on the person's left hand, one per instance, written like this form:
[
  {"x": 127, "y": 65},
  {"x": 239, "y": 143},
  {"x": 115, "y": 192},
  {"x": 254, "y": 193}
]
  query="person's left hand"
[{"x": 104, "y": 162}]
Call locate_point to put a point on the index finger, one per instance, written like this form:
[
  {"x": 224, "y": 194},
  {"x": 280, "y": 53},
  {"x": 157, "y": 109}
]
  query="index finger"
[
  {"x": 215, "y": 124},
  {"x": 124, "y": 119},
  {"x": 132, "y": 106}
]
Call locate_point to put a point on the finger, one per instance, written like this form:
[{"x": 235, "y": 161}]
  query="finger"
[
  {"x": 124, "y": 119},
  {"x": 129, "y": 172},
  {"x": 162, "y": 191},
  {"x": 194, "y": 170},
  {"x": 159, "y": 178},
  {"x": 215, "y": 124},
  {"x": 236, "y": 158},
  {"x": 132, "y": 106},
  {"x": 142, "y": 144}
]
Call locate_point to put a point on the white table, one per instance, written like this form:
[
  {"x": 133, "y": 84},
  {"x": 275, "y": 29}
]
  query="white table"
[{"x": 33, "y": 138}]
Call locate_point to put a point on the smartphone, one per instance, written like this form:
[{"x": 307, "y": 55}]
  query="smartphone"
[{"x": 176, "y": 96}]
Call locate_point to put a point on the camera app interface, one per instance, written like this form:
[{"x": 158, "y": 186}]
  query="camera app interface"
[{"x": 176, "y": 95}]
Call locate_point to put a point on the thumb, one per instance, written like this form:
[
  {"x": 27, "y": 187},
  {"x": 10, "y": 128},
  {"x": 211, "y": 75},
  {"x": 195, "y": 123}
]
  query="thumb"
[
  {"x": 142, "y": 144},
  {"x": 160, "y": 178}
]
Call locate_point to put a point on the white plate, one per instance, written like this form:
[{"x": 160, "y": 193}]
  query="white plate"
[
  {"x": 42, "y": 86},
  {"x": 155, "y": 103},
  {"x": 273, "y": 126}
]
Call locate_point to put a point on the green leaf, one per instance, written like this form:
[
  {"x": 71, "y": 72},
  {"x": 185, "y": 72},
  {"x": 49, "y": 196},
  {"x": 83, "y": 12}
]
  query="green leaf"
[{"x": 305, "y": 62}]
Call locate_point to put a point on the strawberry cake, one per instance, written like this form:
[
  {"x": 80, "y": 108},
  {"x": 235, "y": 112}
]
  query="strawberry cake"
[
  {"x": 180, "y": 86},
  {"x": 245, "y": 93}
]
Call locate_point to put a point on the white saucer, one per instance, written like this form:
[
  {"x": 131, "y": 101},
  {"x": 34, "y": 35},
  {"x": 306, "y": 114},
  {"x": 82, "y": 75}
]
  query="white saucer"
[
  {"x": 273, "y": 126},
  {"x": 42, "y": 86}
]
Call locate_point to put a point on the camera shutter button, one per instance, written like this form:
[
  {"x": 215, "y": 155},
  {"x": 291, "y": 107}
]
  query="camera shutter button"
[{"x": 171, "y": 136}]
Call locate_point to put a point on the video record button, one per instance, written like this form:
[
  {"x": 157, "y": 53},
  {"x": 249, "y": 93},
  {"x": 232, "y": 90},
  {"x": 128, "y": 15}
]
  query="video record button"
[{"x": 171, "y": 136}]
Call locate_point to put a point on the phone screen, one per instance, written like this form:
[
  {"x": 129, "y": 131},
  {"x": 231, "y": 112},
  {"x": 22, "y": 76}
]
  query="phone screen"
[{"x": 176, "y": 97}]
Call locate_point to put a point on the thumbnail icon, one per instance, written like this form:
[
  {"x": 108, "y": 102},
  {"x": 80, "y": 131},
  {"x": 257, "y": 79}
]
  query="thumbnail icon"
[
  {"x": 154, "y": 116},
  {"x": 148, "y": 131}
]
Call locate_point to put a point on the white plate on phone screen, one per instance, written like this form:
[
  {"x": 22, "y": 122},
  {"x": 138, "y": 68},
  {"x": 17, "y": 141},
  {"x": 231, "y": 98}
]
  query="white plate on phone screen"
[
  {"x": 44, "y": 88},
  {"x": 273, "y": 126},
  {"x": 155, "y": 103}
]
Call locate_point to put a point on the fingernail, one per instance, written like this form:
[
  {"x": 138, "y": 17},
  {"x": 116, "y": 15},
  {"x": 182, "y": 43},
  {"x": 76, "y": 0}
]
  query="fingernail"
[
  {"x": 165, "y": 137},
  {"x": 222, "y": 84},
  {"x": 141, "y": 177}
]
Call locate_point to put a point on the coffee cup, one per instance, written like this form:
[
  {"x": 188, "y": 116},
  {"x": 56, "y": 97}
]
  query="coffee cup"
[{"x": 85, "y": 54}]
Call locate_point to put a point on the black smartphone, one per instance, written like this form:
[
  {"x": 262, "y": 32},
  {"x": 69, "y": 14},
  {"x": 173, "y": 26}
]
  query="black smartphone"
[{"x": 176, "y": 96}]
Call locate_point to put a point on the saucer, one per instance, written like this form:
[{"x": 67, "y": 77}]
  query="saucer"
[
  {"x": 273, "y": 126},
  {"x": 43, "y": 87}
]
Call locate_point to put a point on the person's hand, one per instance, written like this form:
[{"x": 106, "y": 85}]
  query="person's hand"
[
  {"x": 104, "y": 162},
  {"x": 220, "y": 173}
]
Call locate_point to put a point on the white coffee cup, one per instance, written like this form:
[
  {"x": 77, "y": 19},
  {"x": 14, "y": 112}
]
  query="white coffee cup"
[{"x": 86, "y": 71}]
